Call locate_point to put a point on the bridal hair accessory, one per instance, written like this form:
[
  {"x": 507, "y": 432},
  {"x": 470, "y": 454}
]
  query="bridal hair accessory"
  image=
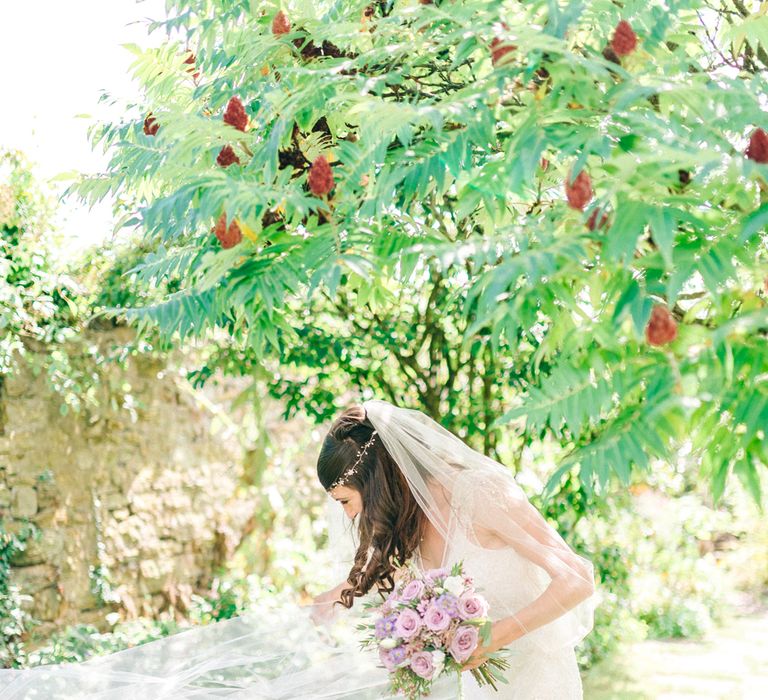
[{"x": 349, "y": 471}]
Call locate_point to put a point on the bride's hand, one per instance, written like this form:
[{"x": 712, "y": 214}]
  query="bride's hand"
[
  {"x": 322, "y": 605},
  {"x": 479, "y": 657},
  {"x": 499, "y": 639}
]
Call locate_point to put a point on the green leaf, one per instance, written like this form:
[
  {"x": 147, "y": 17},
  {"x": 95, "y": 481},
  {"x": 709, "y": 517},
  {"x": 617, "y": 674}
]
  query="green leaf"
[
  {"x": 626, "y": 301},
  {"x": 554, "y": 481},
  {"x": 747, "y": 471},
  {"x": 754, "y": 223},
  {"x": 486, "y": 630},
  {"x": 663, "y": 223},
  {"x": 627, "y": 226},
  {"x": 718, "y": 480},
  {"x": 740, "y": 325}
]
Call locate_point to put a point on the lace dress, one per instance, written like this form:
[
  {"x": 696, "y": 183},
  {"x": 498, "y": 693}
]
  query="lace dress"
[{"x": 533, "y": 673}]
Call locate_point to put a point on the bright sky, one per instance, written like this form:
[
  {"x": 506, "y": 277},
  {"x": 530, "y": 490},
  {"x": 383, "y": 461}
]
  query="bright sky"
[{"x": 55, "y": 58}]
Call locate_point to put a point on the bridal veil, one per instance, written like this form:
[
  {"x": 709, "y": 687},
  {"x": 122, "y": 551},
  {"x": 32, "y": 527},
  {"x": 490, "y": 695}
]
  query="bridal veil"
[{"x": 463, "y": 491}]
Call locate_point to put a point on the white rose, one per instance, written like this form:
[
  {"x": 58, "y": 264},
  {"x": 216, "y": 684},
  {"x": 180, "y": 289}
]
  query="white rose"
[
  {"x": 438, "y": 661},
  {"x": 454, "y": 585},
  {"x": 388, "y": 643}
]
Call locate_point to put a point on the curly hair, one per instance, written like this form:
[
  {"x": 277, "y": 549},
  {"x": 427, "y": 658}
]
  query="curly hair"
[{"x": 391, "y": 521}]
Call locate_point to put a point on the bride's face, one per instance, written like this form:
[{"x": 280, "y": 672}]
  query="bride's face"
[{"x": 350, "y": 499}]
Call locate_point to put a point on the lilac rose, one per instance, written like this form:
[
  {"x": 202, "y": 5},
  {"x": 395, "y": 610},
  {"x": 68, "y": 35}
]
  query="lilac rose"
[
  {"x": 421, "y": 664},
  {"x": 408, "y": 623},
  {"x": 436, "y": 619},
  {"x": 472, "y": 605},
  {"x": 413, "y": 590},
  {"x": 464, "y": 642}
]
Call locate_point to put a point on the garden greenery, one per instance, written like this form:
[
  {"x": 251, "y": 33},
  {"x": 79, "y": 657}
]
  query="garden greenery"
[
  {"x": 15, "y": 619},
  {"x": 580, "y": 185}
]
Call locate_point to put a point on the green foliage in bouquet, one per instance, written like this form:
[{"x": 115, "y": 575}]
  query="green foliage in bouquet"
[{"x": 582, "y": 185}]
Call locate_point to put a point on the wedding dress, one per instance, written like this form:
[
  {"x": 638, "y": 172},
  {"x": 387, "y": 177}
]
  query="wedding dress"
[
  {"x": 526, "y": 572},
  {"x": 281, "y": 653},
  {"x": 533, "y": 674}
]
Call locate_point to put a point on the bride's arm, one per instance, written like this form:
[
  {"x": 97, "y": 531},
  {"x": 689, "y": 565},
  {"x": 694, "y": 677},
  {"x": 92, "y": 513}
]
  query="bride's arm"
[
  {"x": 323, "y": 604},
  {"x": 563, "y": 593},
  {"x": 331, "y": 594},
  {"x": 517, "y": 523}
]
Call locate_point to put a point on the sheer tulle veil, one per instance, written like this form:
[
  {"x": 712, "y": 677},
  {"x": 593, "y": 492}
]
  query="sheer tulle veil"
[
  {"x": 297, "y": 652},
  {"x": 465, "y": 493}
]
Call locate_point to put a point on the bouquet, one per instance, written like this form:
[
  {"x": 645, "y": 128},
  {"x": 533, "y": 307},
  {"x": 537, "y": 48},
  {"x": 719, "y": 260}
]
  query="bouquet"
[{"x": 431, "y": 624}]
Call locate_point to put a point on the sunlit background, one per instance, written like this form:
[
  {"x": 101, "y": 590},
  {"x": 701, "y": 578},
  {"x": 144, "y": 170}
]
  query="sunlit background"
[
  {"x": 176, "y": 486},
  {"x": 56, "y": 59}
]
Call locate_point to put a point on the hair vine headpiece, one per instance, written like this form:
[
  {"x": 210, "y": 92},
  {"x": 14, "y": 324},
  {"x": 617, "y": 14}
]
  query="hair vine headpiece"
[{"x": 349, "y": 471}]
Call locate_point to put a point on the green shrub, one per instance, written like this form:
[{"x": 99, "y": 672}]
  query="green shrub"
[
  {"x": 614, "y": 625},
  {"x": 677, "y": 617},
  {"x": 14, "y": 619}
]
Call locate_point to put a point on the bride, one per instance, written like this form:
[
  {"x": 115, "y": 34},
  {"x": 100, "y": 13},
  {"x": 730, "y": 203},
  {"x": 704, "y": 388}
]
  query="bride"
[{"x": 416, "y": 491}]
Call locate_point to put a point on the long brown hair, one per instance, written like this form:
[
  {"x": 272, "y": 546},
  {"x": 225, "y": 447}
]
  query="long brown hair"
[{"x": 391, "y": 520}]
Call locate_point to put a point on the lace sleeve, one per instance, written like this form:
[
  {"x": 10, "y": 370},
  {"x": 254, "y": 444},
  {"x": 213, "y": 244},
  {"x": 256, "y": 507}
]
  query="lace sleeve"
[{"x": 558, "y": 583}]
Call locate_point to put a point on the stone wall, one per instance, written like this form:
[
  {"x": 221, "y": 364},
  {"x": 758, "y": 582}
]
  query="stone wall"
[{"x": 140, "y": 498}]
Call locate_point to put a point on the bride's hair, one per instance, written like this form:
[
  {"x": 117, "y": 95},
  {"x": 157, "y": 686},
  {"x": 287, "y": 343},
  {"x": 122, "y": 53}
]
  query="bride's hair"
[{"x": 391, "y": 520}]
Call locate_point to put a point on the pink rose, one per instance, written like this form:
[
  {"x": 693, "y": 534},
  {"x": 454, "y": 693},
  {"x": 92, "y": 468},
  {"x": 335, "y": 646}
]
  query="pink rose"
[
  {"x": 421, "y": 664},
  {"x": 413, "y": 590},
  {"x": 472, "y": 605},
  {"x": 436, "y": 619},
  {"x": 464, "y": 643},
  {"x": 408, "y": 623}
]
